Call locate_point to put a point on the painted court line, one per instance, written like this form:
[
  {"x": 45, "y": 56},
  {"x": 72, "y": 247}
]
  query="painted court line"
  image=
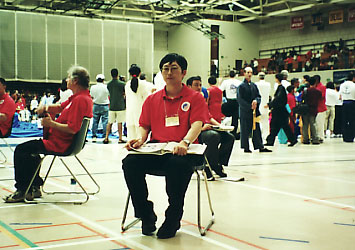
[
  {"x": 304, "y": 175},
  {"x": 18, "y": 238},
  {"x": 344, "y": 224},
  {"x": 76, "y": 243},
  {"x": 230, "y": 237},
  {"x": 102, "y": 228},
  {"x": 271, "y": 238},
  {"x": 304, "y": 197},
  {"x": 214, "y": 242},
  {"x": 30, "y": 224}
]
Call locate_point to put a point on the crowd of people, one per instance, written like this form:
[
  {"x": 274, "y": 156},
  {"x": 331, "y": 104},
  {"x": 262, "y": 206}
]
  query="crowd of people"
[
  {"x": 332, "y": 57},
  {"x": 183, "y": 114}
]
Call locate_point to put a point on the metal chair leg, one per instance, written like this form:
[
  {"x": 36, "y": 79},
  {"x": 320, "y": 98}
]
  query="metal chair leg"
[
  {"x": 83, "y": 191},
  {"x": 123, "y": 227},
  {"x": 8, "y": 145},
  {"x": 201, "y": 229}
]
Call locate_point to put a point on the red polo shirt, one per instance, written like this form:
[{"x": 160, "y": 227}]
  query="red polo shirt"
[
  {"x": 7, "y": 107},
  {"x": 74, "y": 110},
  {"x": 321, "y": 106},
  {"x": 189, "y": 105}
]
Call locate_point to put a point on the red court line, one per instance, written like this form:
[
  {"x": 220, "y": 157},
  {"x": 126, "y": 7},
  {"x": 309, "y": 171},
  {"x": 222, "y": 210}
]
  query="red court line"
[
  {"x": 219, "y": 233},
  {"x": 72, "y": 238},
  {"x": 7, "y": 190},
  {"x": 338, "y": 197},
  {"x": 102, "y": 235},
  {"x": 111, "y": 219},
  {"x": 230, "y": 237},
  {"x": 332, "y": 206},
  {"x": 9, "y": 246}
]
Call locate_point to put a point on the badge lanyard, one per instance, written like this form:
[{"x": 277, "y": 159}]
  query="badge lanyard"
[{"x": 173, "y": 120}]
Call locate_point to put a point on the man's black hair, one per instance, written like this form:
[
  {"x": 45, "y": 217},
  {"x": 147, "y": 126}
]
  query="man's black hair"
[{"x": 173, "y": 57}]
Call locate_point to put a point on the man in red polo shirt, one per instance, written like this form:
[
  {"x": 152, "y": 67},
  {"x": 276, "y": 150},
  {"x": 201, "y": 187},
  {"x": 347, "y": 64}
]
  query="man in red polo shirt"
[
  {"x": 7, "y": 109},
  {"x": 171, "y": 114},
  {"x": 60, "y": 134}
]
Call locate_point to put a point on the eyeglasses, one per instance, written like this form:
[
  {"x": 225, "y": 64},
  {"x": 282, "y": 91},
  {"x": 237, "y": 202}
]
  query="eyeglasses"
[{"x": 173, "y": 69}]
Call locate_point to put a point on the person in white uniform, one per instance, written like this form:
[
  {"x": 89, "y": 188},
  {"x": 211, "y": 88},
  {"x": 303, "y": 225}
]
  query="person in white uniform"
[
  {"x": 136, "y": 93},
  {"x": 264, "y": 90},
  {"x": 229, "y": 86},
  {"x": 347, "y": 92},
  {"x": 331, "y": 97}
]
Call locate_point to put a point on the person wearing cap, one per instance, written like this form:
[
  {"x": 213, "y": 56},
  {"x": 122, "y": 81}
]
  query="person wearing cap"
[
  {"x": 264, "y": 88},
  {"x": 7, "y": 109},
  {"x": 100, "y": 96},
  {"x": 284, "y": 81}
]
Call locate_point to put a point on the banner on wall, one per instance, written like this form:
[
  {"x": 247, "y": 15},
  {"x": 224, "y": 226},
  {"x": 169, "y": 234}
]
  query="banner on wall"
[
  {"x": 351, "y": 15},
  {"x": 336, "y": 16},
  {"x": 317, "y": 19},
  {"x": 297, "y": 22}
]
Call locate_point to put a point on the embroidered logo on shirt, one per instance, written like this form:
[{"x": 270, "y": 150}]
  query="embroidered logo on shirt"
[{"x": 185, "y": 106}]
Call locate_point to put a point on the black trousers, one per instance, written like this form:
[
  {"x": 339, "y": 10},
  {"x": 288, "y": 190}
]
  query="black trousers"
[
  {"x": 235, "y": 115},
  {"x": 177, "y": 171},
  {"x": 348, "y": 121},
  {"x": 219, "y": 147},
  {"x": 277, "y": 123},
  {"x": 26, "y": 160},
  {"x": 338, "y": 120},
  {"x": 246, "y": 128}
]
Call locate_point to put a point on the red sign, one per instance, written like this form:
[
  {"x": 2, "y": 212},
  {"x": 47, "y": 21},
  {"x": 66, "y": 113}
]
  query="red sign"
[
  {"x": 351, "y": 16},
  {"x": 297, "y": 22}
]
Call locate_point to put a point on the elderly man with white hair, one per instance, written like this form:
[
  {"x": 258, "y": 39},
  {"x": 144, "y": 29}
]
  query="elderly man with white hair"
[{"x": 249, "y": 100}]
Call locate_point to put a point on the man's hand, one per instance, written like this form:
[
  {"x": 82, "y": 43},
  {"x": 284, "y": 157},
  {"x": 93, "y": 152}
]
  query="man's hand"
[
  {"x": 254, "y": 104},
  {"x": 206, "y": 127},
  {"x": 180, "y": 149},
  {"x": 266, "y": 106},
  {"x": 41, "y": 109},
  {"x": 133, "y": 144},
  {"x": 47, "y": 121}
]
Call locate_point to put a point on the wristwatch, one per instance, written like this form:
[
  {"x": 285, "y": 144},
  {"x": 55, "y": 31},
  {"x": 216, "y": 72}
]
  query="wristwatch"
[{"x": 187, "y": 141}]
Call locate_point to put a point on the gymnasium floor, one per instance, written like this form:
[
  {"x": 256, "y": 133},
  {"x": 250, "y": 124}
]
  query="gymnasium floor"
[{"x": 293, "y": 198}]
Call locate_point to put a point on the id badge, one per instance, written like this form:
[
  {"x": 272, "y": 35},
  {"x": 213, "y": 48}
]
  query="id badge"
[{"x": 172, "y": 121}]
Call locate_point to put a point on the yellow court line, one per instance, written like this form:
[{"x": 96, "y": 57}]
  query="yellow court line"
[{"x": 18, "y": 238}]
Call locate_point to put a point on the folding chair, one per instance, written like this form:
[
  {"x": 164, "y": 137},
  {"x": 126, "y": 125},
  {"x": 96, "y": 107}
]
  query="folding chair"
[
  {"x": 201, "y": 229},
  {"x": 8, "y": 145},
  {"x": 74, "y": 149}
]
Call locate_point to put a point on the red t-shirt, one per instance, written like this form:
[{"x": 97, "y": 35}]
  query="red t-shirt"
[
  {"x": 291, "y": 101},
  {"x": 74, "y": 110},
  {"x": 7, "y": 107},
  {"x": 215, "y": 103},
  {"x": 321, "y": 106},
  {"x": 189, "y": 105}
]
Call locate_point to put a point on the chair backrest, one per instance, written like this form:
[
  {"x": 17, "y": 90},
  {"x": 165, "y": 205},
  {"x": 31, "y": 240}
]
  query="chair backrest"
[
  {"x": 78, "y": 139},
  {"x": 10, "y": 129}
]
